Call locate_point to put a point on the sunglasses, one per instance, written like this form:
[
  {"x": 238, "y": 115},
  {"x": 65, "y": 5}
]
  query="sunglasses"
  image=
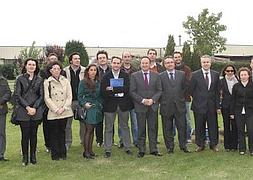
[{"x": 229, "y": 70}]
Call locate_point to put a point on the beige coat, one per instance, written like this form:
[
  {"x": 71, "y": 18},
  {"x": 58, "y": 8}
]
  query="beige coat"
[{"x": 61, "y": 96}]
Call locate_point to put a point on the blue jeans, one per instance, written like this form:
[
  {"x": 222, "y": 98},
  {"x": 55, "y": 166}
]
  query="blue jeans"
[
  {"x": 188, "y": 122},
  {"x": 134, "y": 128}
]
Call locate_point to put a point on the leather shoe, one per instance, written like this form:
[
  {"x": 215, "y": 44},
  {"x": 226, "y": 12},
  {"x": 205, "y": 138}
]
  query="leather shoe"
[
  {"x": 93, "y": 154},
  {"x": 33, "y": 158},
  {"x": 185, "y": 150},
  {"x": 129, "y": 152},
  {"x": 107, "y": 154},
  {"x": 140, "y": 154},
  {"x": 121, "y": 145},
  {"x": 3, "y": 159},
  {"x": 170, "y": 151},
  {"x": 199, "y": 149},
  {"x": 215, "y": 149},
  {"x": 156, "y": 154}
]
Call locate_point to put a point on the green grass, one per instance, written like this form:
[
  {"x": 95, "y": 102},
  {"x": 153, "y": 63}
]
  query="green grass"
[{"x": 204, "y": 165}]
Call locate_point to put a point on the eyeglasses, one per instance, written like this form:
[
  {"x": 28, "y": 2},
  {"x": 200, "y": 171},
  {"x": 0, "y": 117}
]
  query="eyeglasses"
[{"x": 229, "y": 70}]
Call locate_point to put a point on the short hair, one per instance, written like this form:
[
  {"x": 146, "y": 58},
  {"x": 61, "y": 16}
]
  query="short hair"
[
  {"x": 177, "y": 52},
  {"x": 52, "y": 54},
  {"x": 125, "y": 52},
  {"x": 244, "y": 69},
  {"x": 152, "y": 49},
  {"x": 37, "y": 70},
  {"x": 102, "y": 52},
  {"x": 72, "y": 54},
  {"x": 205, "y": 56},
  {"x": 116, "y": 57},
  {"x": 51, "y": 64},
  {"x": 166, "y": 57},
  {"x": 143, "y": 57}
]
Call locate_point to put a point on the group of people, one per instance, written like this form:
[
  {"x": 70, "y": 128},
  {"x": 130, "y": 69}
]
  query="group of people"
[{"x": 52, "y": 94}]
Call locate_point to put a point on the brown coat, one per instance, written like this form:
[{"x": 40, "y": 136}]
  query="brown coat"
[
  {"x": 60, "y": 96},
  {"x": 188, "y": 74}
]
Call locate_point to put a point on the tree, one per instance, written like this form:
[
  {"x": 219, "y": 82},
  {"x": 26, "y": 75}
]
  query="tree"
[
  {"x": 205, "y": 32},
  {"x": 76, "y": 46},
  {"x": 170, "y": 48},
  {"x": 187, "y": 54},
  {"x": 55, "y": 49},
  {"x": 195, "y": 60},
  {"x": 29, "y": 52}
]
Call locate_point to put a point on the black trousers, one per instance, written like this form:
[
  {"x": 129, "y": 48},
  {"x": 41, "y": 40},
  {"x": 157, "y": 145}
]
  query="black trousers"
[
  {"x": 209, "y": 118},
  {"x": 46, "y": 131},
  {"x": 57, "y": 138},
  {"x": 168, "y": 135},
  {"x": 230, "y": 130},
  {"x": 241, "y": 121},
  {"x": 99, "y": 132},
  {"x": 29, "y": 136},
  {"x": 151, "y": 119}
]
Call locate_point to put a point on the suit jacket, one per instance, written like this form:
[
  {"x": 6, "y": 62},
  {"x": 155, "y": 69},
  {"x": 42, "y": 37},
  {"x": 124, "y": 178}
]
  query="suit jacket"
[
  {"x": 5, "y": 95},
  {"x": 225, "y": 94},
  {"x": 242, "y": 97},
  {"x": 110, "y": 102},
  {"x": 139, "y": 92},
  {"x": 205, "y": 99},
  {"x": 173, "y": 93}
]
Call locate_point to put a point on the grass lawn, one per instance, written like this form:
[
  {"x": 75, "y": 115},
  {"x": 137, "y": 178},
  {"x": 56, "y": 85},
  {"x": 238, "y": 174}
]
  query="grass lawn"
[{"x": 203, "y": 165}]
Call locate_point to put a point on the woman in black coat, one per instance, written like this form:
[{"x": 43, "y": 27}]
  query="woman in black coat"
[
  {"x": 228, "y": 80},
  {"x": 29, "y": 107},
  {"x": 242, "y": 109}
]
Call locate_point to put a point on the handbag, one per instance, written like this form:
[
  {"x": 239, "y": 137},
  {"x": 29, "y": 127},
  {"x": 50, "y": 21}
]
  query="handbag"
[
  {"x": 14, "y": 116},
  {"x": 80, "y": 114}
]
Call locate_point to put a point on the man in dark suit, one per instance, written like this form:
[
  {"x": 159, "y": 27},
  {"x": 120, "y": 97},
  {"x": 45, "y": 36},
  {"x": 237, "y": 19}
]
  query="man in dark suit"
[
  {"x": 5, "y": 95},
  {"x": 174, "y": 88},
  {"x": 103, "y": 67},
  {"x": 146, "y": 89},
  {"x": 204, "y": 88},
  {"x": 116, "y": 99}
]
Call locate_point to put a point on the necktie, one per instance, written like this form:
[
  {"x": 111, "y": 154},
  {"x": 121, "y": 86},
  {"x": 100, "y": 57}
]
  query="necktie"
[
  {"x": 171, "y": 76},
  {"x": 207, "y": 80},
  {"x": 146, "y": 79}
]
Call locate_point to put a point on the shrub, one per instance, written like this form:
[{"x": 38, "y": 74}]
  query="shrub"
[
  {"x": 7, "y": 70},
  {"x": 76, "y": 46}
]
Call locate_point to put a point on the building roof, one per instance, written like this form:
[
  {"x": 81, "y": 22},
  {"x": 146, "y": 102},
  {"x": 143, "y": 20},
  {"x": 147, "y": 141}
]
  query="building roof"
[{"x": 12, "y": 52}]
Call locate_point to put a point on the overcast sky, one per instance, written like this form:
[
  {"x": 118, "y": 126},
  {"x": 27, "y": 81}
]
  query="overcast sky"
[{"x": 116, "y": 23}]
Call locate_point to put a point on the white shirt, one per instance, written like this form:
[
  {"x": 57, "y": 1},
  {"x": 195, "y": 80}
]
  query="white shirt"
[
  {"x": 173, "y": 73},
  {"x": 115, "y": 74},
  {"x": 231, "y": 82}
]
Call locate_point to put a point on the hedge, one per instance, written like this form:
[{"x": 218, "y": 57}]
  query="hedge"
[{"x": 8, "y": 71}]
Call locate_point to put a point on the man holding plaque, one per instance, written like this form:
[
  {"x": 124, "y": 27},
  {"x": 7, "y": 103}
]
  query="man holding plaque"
[{"x": 116, "y": 100}]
